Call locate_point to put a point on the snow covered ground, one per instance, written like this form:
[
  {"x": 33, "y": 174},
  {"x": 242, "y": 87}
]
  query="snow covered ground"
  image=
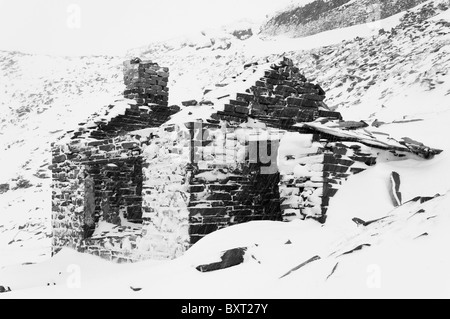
[
  {"x": 404, "y": 254},
  {"x": 396, "y": 257}
]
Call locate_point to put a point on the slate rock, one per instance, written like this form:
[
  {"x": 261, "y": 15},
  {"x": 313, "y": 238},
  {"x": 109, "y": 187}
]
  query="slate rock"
[
  {"x": 230, "y": 258},
  {"x": 135, "y": 61},
  {"x": 394, "y": 191},
  {"x": 4, "y": 188},
  {"x": 206, "y": 102},
  {"x": 4, "y": 289},
  {"x": 189, "y": 103}
]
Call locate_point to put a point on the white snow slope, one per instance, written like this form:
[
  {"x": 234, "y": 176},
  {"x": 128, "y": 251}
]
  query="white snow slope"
[{"x": 390, "y": 78}]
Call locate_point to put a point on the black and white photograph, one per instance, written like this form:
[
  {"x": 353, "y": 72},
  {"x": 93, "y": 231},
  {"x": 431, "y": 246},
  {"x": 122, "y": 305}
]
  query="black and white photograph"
[{"x": 224, "y": 154}]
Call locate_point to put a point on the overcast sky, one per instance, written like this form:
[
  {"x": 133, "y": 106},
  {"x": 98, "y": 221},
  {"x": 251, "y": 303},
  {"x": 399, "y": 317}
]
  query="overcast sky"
[{"x": 73, "y": 27}]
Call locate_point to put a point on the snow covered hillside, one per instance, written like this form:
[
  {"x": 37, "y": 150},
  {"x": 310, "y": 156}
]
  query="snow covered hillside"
[
  {"x": 393, "y": 76},
  {"x": 318, "y": 16}
]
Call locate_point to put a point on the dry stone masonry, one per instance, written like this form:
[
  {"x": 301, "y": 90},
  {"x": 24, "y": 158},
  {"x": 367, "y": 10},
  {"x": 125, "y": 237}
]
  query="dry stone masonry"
[
  {"x": 128, "y": 187},
  {"x": 281, "y": 98},
  {"x": 232, "y": 180}
]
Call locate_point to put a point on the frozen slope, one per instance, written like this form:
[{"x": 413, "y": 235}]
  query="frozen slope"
[
  {"x": 394, "y": 258},
  {"x": 398, "y": 81}
]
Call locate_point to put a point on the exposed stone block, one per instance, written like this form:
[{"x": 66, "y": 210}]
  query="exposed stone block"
[
  {"x": 59, "y": 159},
  {"x": 244, "y": 97},
  {"x": 202, "y": 229},
  {"x": 189, "y": 103},
  {"x": 240, "y": 103},
  {"x": 229, "y": 108},
  {"x": 241, "y": 109},
  {"x": 217, "y": 211}
]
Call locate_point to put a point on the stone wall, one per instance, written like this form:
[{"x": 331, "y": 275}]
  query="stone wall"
[
  {"x": 146, "y": 82},
  {"x": 111, "y": 200},
  {"x": 136, "y": 185},
  {"x": 234, "y": 178},
  {"x": 132, "y": 188},
  {"x": 166, "y": 193},
  {"x": 116, "y": 193},
  {"x": 135, "y": 117},
  {"x": 93, "y": 179},
  {"x": 281, "y": 98},
  {"x": 341, "y": 160},
  {"x": 314, "y": 165},
  {"x": 301, "y": 164},
  {"x": 67, "y": 199}
]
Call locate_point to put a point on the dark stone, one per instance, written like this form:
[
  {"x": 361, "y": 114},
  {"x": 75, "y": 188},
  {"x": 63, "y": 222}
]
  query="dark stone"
[
  {"x": 309, "y": 103},
  {"x": 274, "y": 81},
  {"x": 244, "y": 97},
  {"x": 349, "y": 125},
  {"x": 3, "y": 289},
  {"x": 330, "y": 114},
  {"x": 241, "y": 213},
  {"x": 240, "y": 103},
  {"x": 189, "y": 103},
  {"x": 306, "y": 115},
  {"x": 59, "y": 158},
  {"x": 345, "y": 162},
  {"x": 96, "y": 143},
  {"x": 230, "y": 258},
  {"x": 135, "y": 60},
  {"x": 174, "y": 108},
  {"x": 107, "y": 148},
  {"x": 203, "y": 229},
  {"x": 355, "y": 170},
  {"x": 247, "y": 65},
  {"x": 224, "y": 188},
  {"x": 360, "y": 247},
  {"x": 273, "y": 75},
  {"x": 4, "y": 188},
  {"x": 232, "y": 116},
  {"x": 195, "y": 238},
  {"x": 196, "y": 188},
  {"x": 219, "y": 196},
  {"x": 229, "y": 108},
  {"x": 268, "y": 100},
  {"x": 241, "y": 109},
  {"x": 284, "y": 89},
  {"x": 205, "y": 211},
  {"x": 328, "y": 191},
  {"x": 294, "y": 101},
  {"x": 260, "y": 84},
  {"x": 302, "y": 90},
  {"x": 290, "y": 112},
  {"x": 335, "y": 168},
  {"x": 134, "y": 213},
  {"x": 395, "y": 193},
  {"x": 129, "y": 145},
  {"x": 301, "y": 265},
  {"x": 319, "y": 89},
  {"x": 207, "y": 102}
]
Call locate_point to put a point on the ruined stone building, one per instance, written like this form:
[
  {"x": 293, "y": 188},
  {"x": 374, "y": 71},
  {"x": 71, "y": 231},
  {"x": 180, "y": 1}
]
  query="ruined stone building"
[{"x": 128, "y": 187}]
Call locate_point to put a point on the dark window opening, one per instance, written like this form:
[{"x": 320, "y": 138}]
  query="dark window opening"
[{"x": 113, "y": 193}]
